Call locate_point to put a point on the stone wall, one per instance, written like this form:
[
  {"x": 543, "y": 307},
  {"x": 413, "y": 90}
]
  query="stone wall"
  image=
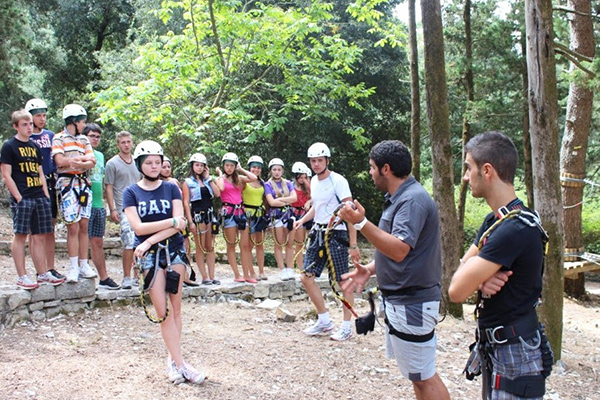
[{"x": 17, "y": 305}]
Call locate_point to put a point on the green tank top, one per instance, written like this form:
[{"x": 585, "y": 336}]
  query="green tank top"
[{"x": 253, "y": 196}]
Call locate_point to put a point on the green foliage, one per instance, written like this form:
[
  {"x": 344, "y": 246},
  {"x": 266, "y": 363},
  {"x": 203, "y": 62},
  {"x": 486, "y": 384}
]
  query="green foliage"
[{"x": 241, "y": 78}]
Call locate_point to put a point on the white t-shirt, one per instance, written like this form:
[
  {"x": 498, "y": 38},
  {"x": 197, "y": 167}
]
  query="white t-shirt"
[{"x": 323, "y": 193}]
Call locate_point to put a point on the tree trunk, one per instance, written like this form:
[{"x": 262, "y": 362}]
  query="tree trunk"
[
  {"x": 575, "y": 141},
  {"x": 527, "y": 167},
  {"x": 441, "y": 150},
  {"x": 543, "y": 117},
  {"x": 415, "y": 97},
  {"x": 466, "y": 129}
]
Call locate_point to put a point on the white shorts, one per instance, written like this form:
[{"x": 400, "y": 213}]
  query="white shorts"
[{"x": 416, "y": 361}]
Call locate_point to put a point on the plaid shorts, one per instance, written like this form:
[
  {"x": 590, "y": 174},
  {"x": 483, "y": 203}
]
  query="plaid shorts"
[
  {"x": 97, "y": 224},
  {"x": 31, "y": 216},
  {"x": 513, "y": 360},
  {"x": 316, "y": 258}
]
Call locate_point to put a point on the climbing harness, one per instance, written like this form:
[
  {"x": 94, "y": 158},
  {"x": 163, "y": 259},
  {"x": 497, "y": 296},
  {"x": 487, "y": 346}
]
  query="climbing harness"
[
  {"x": 80, "y": 196},
  {"x": 204, "y": 217},
  {"x": 236, "y": 212},
  {"x": 151, "y": 277},
  {"x": 334, "y": 221},
  {"x": 258, "y": 220}
]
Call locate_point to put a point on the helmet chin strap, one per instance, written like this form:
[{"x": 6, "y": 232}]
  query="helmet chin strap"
[{"x": 150, "y": 178}]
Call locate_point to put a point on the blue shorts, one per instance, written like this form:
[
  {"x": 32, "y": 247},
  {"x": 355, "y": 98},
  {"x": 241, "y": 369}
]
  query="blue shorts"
[
  {"x": 416, "y": 361},
  {"x": 316, "y": 258},
  {"x": 31, "y": 216},
  {"x": 97, "y": 224}
]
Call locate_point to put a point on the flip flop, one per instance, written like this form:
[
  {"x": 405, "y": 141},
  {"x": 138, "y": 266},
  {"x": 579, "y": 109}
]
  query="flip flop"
[
  {"x": 251, "y": 280},
  {"x": 239, "y": 280},
  {"x": 207, "y": 282}
]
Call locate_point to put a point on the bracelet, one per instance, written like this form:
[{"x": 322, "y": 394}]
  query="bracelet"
[
  {"x": 358, "y": 226},
  {"x": 174, "y": 222},
  {"x": 355, "y": 247}
]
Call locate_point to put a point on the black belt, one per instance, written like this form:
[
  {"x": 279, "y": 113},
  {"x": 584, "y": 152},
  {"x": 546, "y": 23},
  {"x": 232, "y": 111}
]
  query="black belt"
[
  {"x": 252, "y": 207},
  {"x": 524, "y": 327}
]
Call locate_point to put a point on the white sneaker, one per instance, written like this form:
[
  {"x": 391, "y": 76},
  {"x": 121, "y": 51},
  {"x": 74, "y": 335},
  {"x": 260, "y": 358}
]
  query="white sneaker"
[
  {"x": 192, "y": 375},
  {"x": 291, "y": 274},
  {"x": 319, "y": 329},
  {"x": 341, "y": 335},
  {"x": 73, "y": 275},
  {"x": 283, "y": 275},
  {"x": 26, "y": 283},
  {"x": 127, "y": 283},
  {"x": 87, "y": 272},
  {"x": 173, "y": 375},
  {"x": 47, "y": 277}
]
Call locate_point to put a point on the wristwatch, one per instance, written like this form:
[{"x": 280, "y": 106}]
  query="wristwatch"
[{"x": 358, "y": 226}]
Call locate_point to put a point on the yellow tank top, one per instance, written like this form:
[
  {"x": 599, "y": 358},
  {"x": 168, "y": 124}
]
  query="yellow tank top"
[{"x": 253, "y": 196}]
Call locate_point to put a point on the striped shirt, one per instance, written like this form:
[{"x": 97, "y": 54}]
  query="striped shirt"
[{"x": 71, "y": 146}]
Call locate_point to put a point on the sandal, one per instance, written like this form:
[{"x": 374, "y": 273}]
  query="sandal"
[
  {"x": 207, "y": 282},
  {"x": 216, "y": 282},
  {"x": 191, "y": 283},
  {"x": 239, "y": 280},
  {"x": 263, "y": 277}
]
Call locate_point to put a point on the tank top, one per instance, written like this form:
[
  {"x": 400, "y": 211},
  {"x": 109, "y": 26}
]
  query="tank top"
[
  {"x": 302, "y": 198},
  {"x": 231, "y": 194},
  {"x": 253, "y": 196}
]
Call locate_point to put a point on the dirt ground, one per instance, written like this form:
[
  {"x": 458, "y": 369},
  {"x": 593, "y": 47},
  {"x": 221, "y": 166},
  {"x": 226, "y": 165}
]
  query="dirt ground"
[{"x": 247, "y": 354}]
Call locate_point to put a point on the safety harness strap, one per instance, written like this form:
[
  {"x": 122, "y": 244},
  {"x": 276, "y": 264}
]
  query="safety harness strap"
[{"x": 524, "y": 386}]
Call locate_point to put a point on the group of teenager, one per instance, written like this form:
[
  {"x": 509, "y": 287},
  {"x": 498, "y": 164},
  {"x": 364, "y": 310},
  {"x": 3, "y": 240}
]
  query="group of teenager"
[{"x": 504, "y": 265}]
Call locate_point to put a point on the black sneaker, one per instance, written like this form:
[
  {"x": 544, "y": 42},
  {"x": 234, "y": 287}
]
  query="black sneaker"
[
  {"x": 56, "y": 274},
  {"x": 109, "y": 284}
]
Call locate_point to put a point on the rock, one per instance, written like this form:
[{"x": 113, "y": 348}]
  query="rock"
[
  {"x": 18, "y": 298},
  {"x": 269, "y": 304},
  {"x": 261, "y": 290},
  {"x": 43, "y": 293},
  {"x": 284, "y": 315},
  {"x": 83, "y": 288},
  {"x": 36, "y": 306},
  {"x": 241, "y": 304}
]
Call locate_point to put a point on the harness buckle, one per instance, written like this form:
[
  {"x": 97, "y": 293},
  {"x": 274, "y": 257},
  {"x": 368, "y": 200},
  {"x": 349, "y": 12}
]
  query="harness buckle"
[{"x": 491, "y": 335}]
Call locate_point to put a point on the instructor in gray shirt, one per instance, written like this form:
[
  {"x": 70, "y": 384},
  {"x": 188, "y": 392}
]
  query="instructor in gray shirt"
[{"x": 407, "y": 264}]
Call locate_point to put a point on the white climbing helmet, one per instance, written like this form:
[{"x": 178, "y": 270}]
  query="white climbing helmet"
[
  {"x": 299, "y": 168},
  {"x": 198, "y": 157},
  {"x": 256, "y": 159},
  {"x": 73, "y": 112},
  {"x": 148, "y": 148},
  {"x": 231, "y": 157},
  {"x": 36, "y": 106},
  {"x": 318, "y": 150},
  {"x": 276, "y": 161}
]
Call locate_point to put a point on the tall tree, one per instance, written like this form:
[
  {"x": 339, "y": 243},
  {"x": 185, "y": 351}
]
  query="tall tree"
[
  {"x": 575, "y": 138},
  {"x": 441, "y": 149},
  {"x": 543, "y": 117},
  {"x": 415, "y": 93},
  {"x": 469, "y": 85}
]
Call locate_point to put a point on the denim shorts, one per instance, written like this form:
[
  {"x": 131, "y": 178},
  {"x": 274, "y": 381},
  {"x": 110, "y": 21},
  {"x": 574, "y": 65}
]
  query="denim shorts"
[
  {"x": 176, "y": 256},
  {"x": 416, "y": 361}
]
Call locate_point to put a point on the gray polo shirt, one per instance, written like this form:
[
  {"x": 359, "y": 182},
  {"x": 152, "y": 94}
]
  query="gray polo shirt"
[{"x": 411, "y": 215}]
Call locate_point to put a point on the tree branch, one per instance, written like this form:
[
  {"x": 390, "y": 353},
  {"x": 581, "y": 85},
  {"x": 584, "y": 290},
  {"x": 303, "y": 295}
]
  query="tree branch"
[
  {"x": 194, "y": 27},
  {"x": 574, "y": 54},
  {"x": 572, "y": 11},
  {"x": 570, "y": 57}
]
